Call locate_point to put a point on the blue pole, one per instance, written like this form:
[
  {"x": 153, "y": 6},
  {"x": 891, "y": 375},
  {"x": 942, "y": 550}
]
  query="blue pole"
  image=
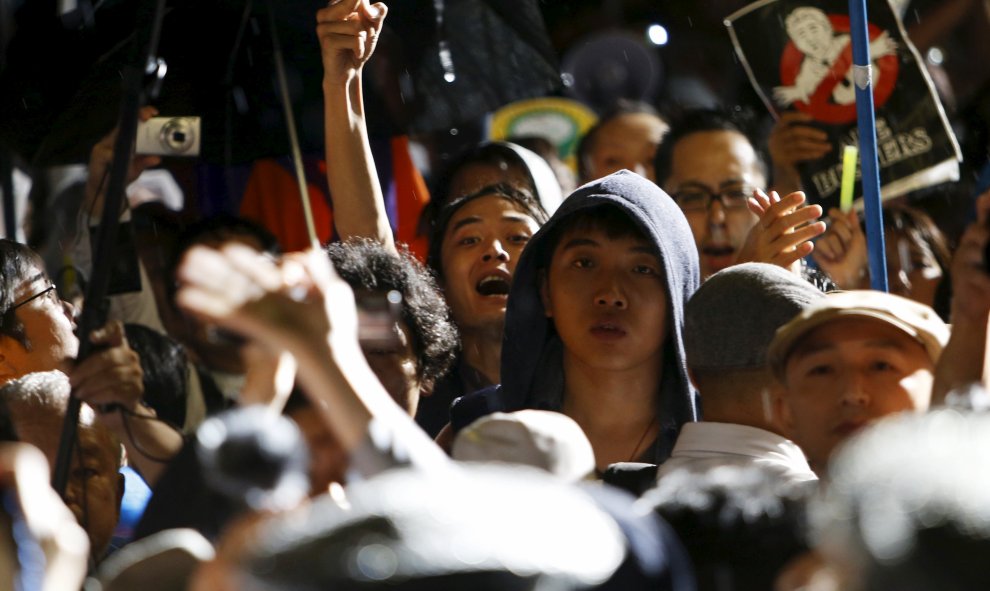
[{"x": 862, "y": 67}]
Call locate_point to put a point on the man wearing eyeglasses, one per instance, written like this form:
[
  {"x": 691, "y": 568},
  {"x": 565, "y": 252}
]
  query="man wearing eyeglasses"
[
  {"x": 36, "y": 326},
  {"x": 37, "y": 335},
  {"x": 710, "y": 167}
]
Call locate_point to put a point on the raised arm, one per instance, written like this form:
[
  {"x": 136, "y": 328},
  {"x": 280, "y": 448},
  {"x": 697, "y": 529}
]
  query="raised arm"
[
  {"x": 964, "y": 360},
  {"x": 301, "y": 306},
  {"x": 348, "y": 32}
]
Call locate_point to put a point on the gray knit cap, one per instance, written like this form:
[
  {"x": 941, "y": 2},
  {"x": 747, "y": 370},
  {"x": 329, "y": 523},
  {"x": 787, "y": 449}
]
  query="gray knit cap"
[{"x": 731, "y": 320}]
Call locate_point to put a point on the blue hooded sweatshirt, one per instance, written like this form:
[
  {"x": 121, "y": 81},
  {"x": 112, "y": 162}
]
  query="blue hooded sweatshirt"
[{"x": 532, "y": 353}]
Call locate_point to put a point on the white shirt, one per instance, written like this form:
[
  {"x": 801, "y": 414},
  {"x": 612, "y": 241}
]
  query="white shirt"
[{"x": 705, "y": 445}]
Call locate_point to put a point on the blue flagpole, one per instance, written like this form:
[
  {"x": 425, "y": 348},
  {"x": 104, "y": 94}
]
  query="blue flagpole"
[{"x": 863, "y": 77}]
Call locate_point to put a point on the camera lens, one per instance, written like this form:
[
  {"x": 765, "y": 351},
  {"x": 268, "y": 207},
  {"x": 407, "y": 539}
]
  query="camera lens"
[{"x": 177, "y": 135}]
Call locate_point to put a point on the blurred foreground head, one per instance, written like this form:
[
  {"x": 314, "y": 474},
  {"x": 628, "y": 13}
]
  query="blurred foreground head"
[
  {"x": 547, "y": 440},
  {"x": 740, "y": 524},
  {"x": 38, "y": 403},
  {"x": 476, "y": 528},
  {"x": 908, "y": 506}
]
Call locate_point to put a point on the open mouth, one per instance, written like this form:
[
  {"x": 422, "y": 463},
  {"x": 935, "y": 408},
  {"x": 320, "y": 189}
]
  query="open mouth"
[
  {"x": 718, "y": 251},
  {"x": 493, "y": 285}
]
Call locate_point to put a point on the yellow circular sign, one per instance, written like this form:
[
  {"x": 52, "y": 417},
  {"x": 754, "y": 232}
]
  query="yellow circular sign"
[{"x": 561, "y": 121}]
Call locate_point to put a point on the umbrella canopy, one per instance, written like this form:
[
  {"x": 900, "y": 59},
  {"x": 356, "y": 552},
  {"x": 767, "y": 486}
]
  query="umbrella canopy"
[{"x": 60, "y": 89}]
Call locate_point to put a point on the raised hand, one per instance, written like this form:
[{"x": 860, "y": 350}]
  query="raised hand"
[
  {"x": 348, "y": 31},
  {"x": 284, "y": 305},
  {"x": 784, "y": 232},
  {"x": 841, "y": 252},
  {"x": 100, "y": 159},
  {"x": 792, "y": 141},
  {"x": 966, "y": 357},
  {"x": 111, "y": 381},
  {"x": 110, "y": 375}
]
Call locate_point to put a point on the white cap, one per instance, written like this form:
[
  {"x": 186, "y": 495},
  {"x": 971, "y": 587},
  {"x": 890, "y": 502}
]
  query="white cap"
[{"x": 547, "y": 440}]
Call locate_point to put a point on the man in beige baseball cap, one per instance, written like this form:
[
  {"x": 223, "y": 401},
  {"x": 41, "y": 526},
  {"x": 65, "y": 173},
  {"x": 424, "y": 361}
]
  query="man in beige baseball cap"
[{"x": 850, "y": 359}]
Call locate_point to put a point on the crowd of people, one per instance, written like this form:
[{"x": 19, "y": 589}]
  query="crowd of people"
[{"x": 674, "y": 376}]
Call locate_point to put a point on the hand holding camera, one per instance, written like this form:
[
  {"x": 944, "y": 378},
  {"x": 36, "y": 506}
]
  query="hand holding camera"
[{"x": 169, "y": 136}]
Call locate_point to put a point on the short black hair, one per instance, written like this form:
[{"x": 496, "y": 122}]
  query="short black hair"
[
  {"x": 610, "y": 219},
  {"x": 16, "y": 262},
  {"x": 700, "y": 120},
  {"x": 165, "y": 372},
  {"x": 739, "y": 524},
  {"x": 621, "y": 107},
  {"x": 524, "y": 199},
  {"x": 492, "y": 153},
  {"x": 367, "y": 265},
  {"x": 216, "y": 229}
]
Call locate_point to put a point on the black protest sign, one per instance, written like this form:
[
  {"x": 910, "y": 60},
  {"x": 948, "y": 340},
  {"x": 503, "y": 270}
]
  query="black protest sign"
[{"x": 798, "y": 56}]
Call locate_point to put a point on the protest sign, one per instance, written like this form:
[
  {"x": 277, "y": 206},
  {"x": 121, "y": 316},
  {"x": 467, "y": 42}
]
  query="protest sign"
[{"x": 798, "y": 56}]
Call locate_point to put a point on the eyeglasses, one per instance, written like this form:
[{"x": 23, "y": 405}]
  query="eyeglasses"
[
  {"x": 45, "y": 292},
  {"x": 699, "y": 198}
]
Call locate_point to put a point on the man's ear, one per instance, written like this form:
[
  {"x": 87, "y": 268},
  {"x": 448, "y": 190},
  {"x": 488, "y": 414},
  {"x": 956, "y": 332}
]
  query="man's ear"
[
  {"x": 7, "y": 370},
  {"x": 782, "y": 410},
  {"x": 544, "y": 282}
]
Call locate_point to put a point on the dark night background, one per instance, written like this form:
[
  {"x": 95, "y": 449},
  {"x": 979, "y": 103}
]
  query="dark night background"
[{"x": 59, "y": 87}]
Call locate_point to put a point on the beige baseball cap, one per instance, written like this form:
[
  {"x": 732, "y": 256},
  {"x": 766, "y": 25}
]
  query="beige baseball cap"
[
  {"x": 919, "y": 321},
  {"x": 547, "y": 440}
]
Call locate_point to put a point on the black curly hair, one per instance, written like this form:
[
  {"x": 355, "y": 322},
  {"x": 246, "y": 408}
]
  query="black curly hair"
[{"x": 367, "y": 265}]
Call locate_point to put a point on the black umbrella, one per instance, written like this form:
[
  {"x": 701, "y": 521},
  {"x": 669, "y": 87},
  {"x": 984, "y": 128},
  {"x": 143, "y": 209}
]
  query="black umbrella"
[{"x": 439, "y": 64}]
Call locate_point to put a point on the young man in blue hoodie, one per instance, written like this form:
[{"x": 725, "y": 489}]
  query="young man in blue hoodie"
[{"x": 594, "y": 321}]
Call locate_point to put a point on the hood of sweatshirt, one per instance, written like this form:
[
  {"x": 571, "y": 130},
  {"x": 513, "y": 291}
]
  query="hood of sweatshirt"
[{"x": 532, "y": 353}]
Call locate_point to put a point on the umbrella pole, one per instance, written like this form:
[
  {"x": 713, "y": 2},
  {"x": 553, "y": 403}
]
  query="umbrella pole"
[
  {"x": 148, "y": 22},
  {"x": 863, "y": 77},
  {"x": 290, "y": 124},
  {"x": 9, "y": 199}
]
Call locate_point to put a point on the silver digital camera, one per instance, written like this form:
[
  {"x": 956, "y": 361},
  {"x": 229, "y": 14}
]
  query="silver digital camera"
[{"x": 168, "y": 136}]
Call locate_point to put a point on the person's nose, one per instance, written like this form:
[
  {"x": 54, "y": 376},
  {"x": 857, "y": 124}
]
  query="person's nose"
[
  {"x": 495, "y": 250},
  {"x": 69, "y": 310},
  {"x": 610, "y": 294},
  {"x": 854, "y": 391},
  {"x": 716, "y": 213}
]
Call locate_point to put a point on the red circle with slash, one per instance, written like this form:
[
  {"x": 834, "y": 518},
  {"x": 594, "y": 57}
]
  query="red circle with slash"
[{"x": 820, "y": 104}]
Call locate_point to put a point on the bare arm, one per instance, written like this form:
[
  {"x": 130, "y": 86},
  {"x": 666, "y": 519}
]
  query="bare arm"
[
  {"x": 302, "y": 307},
  {"x": 964, "y": 360},
  {"x": 348, "y": 33},
  {"x": 841, "y": 251},
  {"x": 24, "y": 473}
]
